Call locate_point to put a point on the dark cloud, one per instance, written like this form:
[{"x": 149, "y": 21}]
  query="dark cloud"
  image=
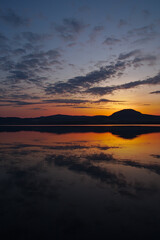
[
  {"x": 101, "y": 90},
  {"x": 29, "y": 66},
  {"x": 13, "y": 19},
  {"x": 155, "y": 92},
  {"x": 103, "y": 100},
  {"x": 94, "y": 77},
  {"x": 4, "y": 45},
  {"x": 19, "y": 51},
  {"x": 143, "y": 34},
  {"x": 107, "y": 90},
  {"x": 142, "y": 31},
  {"x": 75, "y": 101},
  {"x": 95, "y": 32},
  {"x": 50, "y": 54},
  {"x": 61, "y": 102},
  {"x": 144, "y": 40},
  {"x": 78, "y": 101},
  {"x": 156, "y": 156},
  {"x": 33, "y": 37},
  {"x": 84, "y": 83},
  {"x": 110, "y": 41},
  {"x": 139, "y": 60},
  {"x": 70, "y": 28},
  {"x": 133, "y": 53},
  {"x": 79, "y": 107},
  {"x": 15, "y": 103},
  {"x": 6, "y": 63},
  {"x": 122, "y": 22},
  {"x": 24, "y": 96},
  {"x": 37, "y": 109},
  {"x": 19, "y": 75}
]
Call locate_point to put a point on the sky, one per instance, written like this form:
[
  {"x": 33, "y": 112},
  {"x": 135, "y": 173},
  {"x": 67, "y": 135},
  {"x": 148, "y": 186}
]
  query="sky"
[{"x": 88, "y": 57}]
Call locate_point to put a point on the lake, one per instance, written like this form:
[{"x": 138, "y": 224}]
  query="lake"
[{"x": 79, "y": 182}]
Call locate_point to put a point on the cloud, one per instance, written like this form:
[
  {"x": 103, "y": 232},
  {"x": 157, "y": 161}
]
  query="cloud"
[
  {"x": 110, "y": 41},
  {"x": 133, "y": 53},
  {"x": 142, "y": 31},
  {"x": 67, "y": 101},
  {"x": 36, "y": 37},
  {"x": 6, "y": 63},
  {"x": 78, "y": 101},
  {"x": 24, "y": 96},
  {"x": 143, "y": 34},
  {"x": 19, "y": 51},
  {"x": 95, "y": 32},
  {"x": 79, "y": 83},
  {"x": 108, "y": 90},
  {"x": 4, "y": 46},
  {"x": 29, "y": 67},
  {"x": 103, "y": 100},
  {"x": 70, "y": 28},
  {"x": 155, "y": 156},
  {"x": 86, "y": 83},
  {"x": 15, "y": 103},
  {"x": 151, "y": 59},
  {"x": 75, "y": 103},
  {"x": 122, "y": 22},
  {"x": 19, "y": 75},
  {"x": 13, "y": 19},
  {"x": 155, "y": 92},
  {"x": 138, "y": 58}
]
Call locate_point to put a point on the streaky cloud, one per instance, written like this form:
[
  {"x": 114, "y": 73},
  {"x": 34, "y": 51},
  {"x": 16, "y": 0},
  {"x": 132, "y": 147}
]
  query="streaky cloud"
[
  {"x": 135, "y": 52},
  {"x": 75, "y": 103},
  {"x": 108, "y": 90},
  {"x": 155, "y": 92},
  {"x": 79, "y": 82},
  {"x": 110, "y": 41}
]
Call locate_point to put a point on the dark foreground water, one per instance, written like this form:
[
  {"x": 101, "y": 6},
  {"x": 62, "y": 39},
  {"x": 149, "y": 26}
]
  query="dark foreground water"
[{"x": 79, "y": 182}]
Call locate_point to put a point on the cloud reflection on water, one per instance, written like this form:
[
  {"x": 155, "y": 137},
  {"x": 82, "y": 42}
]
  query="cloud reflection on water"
[{"x": 79, "y": 183}]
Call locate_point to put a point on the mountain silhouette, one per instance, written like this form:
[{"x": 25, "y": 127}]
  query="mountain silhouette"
[
  {"x": 125, "y": 116},
  {"x": 132, "y": 116},
  {"x": 126, "y": 113}
]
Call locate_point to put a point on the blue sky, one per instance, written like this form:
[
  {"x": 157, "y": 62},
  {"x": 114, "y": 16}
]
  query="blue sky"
[{"x": 79, "y": 57}]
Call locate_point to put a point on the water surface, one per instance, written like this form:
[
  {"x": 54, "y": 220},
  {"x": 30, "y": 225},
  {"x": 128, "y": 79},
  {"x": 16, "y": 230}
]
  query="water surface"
[{"x": 79, "y": 182}]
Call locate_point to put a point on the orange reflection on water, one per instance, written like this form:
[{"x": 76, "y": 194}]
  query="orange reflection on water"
[{"x": 139, "y": 148}]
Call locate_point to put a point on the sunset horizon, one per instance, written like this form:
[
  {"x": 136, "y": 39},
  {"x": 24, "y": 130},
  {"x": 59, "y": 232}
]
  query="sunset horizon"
[{"x": 80, "y": 114}]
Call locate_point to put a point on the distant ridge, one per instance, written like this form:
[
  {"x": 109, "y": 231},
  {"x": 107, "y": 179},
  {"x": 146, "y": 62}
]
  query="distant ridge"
[
  {"x": 125, "y": 116},
  {"x": 126, "y": 113}
]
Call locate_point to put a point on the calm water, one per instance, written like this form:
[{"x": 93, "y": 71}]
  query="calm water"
[{"x": 79, "y": 182}]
